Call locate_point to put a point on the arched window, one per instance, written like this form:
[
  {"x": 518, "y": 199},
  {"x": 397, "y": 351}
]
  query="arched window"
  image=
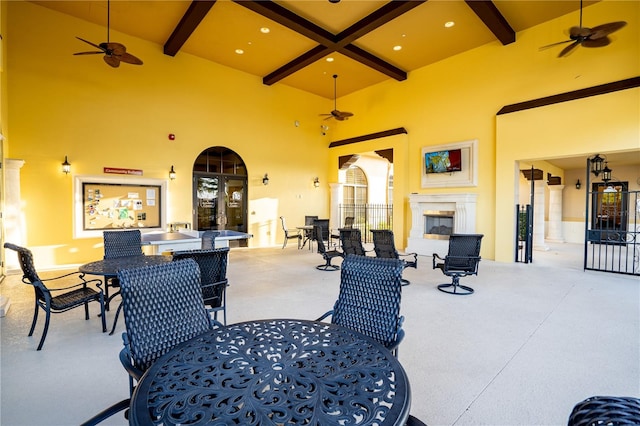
[{"x": 355, "y": 187}]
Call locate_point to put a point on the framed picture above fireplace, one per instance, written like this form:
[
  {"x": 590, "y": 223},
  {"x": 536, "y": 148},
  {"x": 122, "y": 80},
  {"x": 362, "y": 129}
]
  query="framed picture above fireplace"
[{"x": 450, "y": 165}]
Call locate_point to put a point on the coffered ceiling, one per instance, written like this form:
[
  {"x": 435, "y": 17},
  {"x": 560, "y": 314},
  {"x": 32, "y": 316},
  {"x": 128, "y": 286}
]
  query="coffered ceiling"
[{"x": 302, "y": 43}]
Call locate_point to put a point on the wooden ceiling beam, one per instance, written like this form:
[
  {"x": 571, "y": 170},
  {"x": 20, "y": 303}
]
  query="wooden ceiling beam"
[
  {"x": 493, "y": 19},
  {"x": 187, "y": 25}
]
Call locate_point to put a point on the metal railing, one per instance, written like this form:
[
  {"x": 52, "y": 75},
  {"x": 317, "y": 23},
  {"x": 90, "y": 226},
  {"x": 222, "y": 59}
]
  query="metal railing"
[{"x": 367, "y": 217}]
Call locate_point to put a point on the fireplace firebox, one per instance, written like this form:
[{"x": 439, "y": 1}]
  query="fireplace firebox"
[{"x": 438, "y": 224}]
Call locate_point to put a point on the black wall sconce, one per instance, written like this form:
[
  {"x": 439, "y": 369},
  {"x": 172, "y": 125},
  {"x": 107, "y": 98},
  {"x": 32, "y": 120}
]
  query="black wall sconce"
[
  {"x": 316, "y": 182},
  {"x": 66, "y": 166},
  {"x": 172, "y": 173},
  {"x": 578, "y": 184},
  {"x": 606, "y": 173},
  {"x": 265, "y": 179},
  {"x": 596, "y": 164}
]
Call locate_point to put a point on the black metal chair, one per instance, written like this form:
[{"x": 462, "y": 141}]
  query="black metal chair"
[
  {"x": 209, "y": 240},
  {"x": 163, "y": 307},
  {"x": 327, "y": 255},
  {"x": 385, "y": 247},
  {"x": 351, "y": 242},
  {"x": 290, "y": 234},
  {"x": 213, "y": 277},
  {"x": 324, "y": 227},
  {"x": 308, "y": 233},
  {"x": 369, "y": 299},
  {"x": 57, "y": 300},
  {"x": 348, "y": 224},
  {"x": 606, "y": 410},
  {"x": 462, "y": 260},
  {"x": 414, "y": 421}
]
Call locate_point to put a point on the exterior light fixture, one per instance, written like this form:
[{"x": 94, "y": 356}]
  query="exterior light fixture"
[
  {"x": 606, "y": 173},
  {"x": 66, "y": 166},
  {"x": 578, "y": 184},
  {"x": 172, "y": 173},
  {"x": 596, "y": 164},
  {"x": 316, "y": 182},
  {"x": 265, "y": 179}
]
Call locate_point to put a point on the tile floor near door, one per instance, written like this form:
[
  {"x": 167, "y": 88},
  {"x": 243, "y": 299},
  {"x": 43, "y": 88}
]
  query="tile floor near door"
[{"x": 530, "y": 343}]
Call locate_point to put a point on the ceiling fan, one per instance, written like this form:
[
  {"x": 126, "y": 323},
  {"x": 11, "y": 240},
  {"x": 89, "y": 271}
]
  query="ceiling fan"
[
  {"x": 114, "y": 53},
  {"x": 587, "y": 37},
  {"x": 338, "y": 115}
]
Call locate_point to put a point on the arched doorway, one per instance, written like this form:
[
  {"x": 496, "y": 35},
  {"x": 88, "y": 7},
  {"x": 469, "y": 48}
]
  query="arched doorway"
[{"x": 220, "y": 191}]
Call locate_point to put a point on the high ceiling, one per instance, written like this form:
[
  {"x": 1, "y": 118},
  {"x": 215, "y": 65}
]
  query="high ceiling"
[{"x": 359, "y": 35}]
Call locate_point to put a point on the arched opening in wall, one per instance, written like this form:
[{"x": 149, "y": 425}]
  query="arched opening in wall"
[{"x": 220, "y": 192}]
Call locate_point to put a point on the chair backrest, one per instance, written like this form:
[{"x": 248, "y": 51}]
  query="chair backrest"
[
  {"x": 308, "y": 220},
  {"x": 213, "y": 272},
  {"x": 122, "y": 243},
  {"x": 29, "y": 274},
  {"x": 317, "y": 236},
  {"x": 383, "y": 244},
  {"x": 162, "y": 306},
  {"x": 348, "y": 221},
  {"x": 324, "y": 225},
  {"x": 209, "y": 240},
  {"x": 369, "y": 298},
  {"x": 351, "y": 241},
  {"x": 464, "y": 252}
]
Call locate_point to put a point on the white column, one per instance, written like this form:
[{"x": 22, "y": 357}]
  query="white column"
[
  {"x": 336, "y": 199},
  {"x": 555, "y": 214},
  {"x": 539, "y": 203}
]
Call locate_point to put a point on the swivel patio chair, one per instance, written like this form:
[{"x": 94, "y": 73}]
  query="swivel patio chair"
[
  {"x": 327, "y": 255},
  {"x": 606, "y": 410},
  {"x": 324, "y": 228},
  {"x": 213, "y": 277},
  {"x": 385, "y": 247},
  {"x": 163, "y": 307},
  {"x": 348, "y": 224},
  {"x": 351, "y": 242},
  {"x": 369, "y": 299},
  {"x": 57, "y": 300},
  {"x": 209, "y": 240},
  {"x": 290, "y": 234},
  {"x": 462, "y": 260}
]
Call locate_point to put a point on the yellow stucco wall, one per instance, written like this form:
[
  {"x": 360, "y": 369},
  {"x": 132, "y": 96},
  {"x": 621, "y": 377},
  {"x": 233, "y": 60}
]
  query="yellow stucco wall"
[{"x": 60, "y": 104}]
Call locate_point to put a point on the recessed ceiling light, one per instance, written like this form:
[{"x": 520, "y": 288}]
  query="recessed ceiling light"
[
  {"x": 265, "y": 30},
  {"x": 329, "y": 59},
  {"x": 239, "y": 51},
  {"x": 396, "y": 48},
  {"x": 449, "y": 24}
]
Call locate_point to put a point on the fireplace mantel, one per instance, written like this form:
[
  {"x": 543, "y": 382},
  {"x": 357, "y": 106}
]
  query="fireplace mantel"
[{"x": 464, "y": 206}]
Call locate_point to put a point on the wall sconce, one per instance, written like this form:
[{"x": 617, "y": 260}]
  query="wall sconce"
[
  {"x": 265, "y": 179},
  {"x": 316, "y": 182},
  {"x": 596, "y": 164},
  {"x": 66, "y": 166},
  {"x": 578, "y": 184},
  {"x": 606, "y": 173},
  {"x": 172, "y": 173}
]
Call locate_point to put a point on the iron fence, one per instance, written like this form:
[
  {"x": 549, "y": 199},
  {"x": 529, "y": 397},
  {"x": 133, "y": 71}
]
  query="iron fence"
[{"x": 367, "y": 217}]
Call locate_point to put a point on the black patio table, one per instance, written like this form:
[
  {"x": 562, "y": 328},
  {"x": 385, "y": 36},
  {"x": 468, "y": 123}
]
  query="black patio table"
[{"x": 276, "y": 372}]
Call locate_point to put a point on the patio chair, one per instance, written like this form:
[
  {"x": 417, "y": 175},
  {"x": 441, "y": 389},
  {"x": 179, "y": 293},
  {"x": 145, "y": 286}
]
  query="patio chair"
[
  {"x": 324, "y": 228},
  {"x": 414, "y": 421},
  {"x": 163, "y": 307},
  {"x": 369, "y": 299},
  {"x": 290, "y": 234},
  {"x": 327, "y": 255},
  {"x": 462, "y": 260},
  {"x": 213, "y": 277},
  {"x": 348, "y": 224},
  {"x": 351, "y": 242},
  {"x": 57, "y": 300},
  {"x": 385, "y": 247},
  {"x": 606, "y": 410},
  {"x": 308, "y": 233},
  {"x": 209, "y": 240}
]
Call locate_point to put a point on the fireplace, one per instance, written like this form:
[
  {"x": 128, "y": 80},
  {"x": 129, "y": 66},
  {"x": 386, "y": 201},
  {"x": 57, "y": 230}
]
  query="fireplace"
[
  {"x": 438, "y": 224},
  {"x": 442, "y": 213}
]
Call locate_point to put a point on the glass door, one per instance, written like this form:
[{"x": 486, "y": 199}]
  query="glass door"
[
  {"x": 207, "y": 212},
  {"x": 220, "y": 202}
]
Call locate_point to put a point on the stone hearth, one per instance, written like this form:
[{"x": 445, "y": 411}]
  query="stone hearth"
[{"x": 464, "y": 206}]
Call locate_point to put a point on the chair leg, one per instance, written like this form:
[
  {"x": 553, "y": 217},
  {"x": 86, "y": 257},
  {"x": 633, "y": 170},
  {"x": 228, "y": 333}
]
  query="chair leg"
[
  {"x": 115, "y": 319},
  {"x": 458, "y": 289},
  {"x": 105, "y": 414},
  {"x": 285, "y": 242},
  {"x": 35, "y": 318},
  {"x": 102, "y": 315},
  {"x": 46, "y": 328}
]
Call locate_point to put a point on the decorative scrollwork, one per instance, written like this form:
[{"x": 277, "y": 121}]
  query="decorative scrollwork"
[{"x": 278, "y": 372}]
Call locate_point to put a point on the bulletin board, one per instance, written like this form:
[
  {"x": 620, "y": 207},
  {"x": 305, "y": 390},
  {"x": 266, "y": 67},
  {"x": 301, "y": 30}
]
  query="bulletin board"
[
  {"x": 104, "y": 203},
  {"x": 113, "y": 205}
]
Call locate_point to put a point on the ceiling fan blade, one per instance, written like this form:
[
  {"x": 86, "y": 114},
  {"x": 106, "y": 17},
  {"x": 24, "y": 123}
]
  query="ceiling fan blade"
[
  {"x": 345, "y": 114},
  {"x": 599, "y": 42},
  {"x": 92, "y": 44},
  {"x": 554, "y": 44},
  {"x": 604, "y": 30},
  {"x": 576, "y": 32},
  {"x": 114, "y": 48},
  {"x": 129, "y": 59},
  {"x": 89, "y": 53},
  {"x": 569, "y": 49},
  {"x": 112, "y": 61}
]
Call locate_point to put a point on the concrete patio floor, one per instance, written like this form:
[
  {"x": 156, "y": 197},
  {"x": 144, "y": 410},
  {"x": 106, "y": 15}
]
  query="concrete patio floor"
[{"x": 531, "y": 342}]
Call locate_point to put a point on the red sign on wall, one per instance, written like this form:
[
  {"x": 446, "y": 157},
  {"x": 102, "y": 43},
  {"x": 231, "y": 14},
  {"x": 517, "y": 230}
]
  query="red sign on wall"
[{"x": 117, "y": 171}]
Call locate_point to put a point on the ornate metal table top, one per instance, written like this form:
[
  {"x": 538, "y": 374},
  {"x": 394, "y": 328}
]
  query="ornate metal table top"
[
  {"x": 274, "y": 372},
  {"x": 110, "y": 267}
]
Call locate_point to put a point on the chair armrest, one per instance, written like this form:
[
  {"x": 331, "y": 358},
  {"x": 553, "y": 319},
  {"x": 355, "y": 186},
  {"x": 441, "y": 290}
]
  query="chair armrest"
[
  {"x": 325, "y": 315},
  {"x": 96, "y": 282},
  {"x": 435, "y": 256},
  {"x": 413, "y": 255},
  {"x": 125, "y": 360},
  {"x": 399, "y": 336},
  {"x": 80, "y": 275}
]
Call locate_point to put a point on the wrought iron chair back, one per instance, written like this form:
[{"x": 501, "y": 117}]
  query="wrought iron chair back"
[
  {"x": 290, "y": 234},
  {"x": 213, "y": 277},
  {"x": 351, "y": 241},
  {"x": 122, "y": 243},
  {"x": 461, "y": 260},
  {"x": 369, "y": 299},
  {"x": 209, "y": 240},
  {"x": 327, "y": 255},
  {"x": 606, "y": 410},
  {"x": 385, "y": 247},
  {"x": 57, "y": 300}
]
